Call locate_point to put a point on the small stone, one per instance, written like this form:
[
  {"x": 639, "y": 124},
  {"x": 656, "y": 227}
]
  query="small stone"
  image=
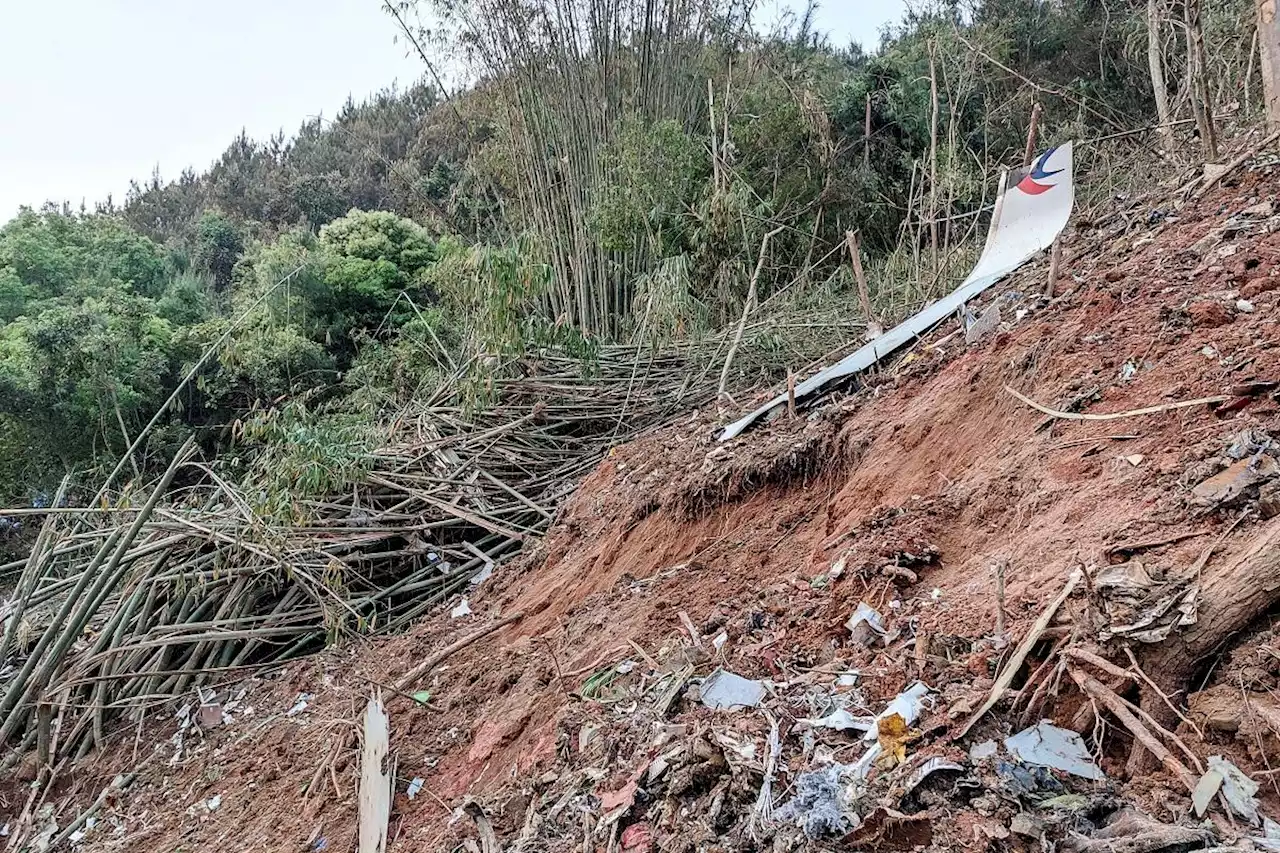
[{"x": 1244, "y": 306}]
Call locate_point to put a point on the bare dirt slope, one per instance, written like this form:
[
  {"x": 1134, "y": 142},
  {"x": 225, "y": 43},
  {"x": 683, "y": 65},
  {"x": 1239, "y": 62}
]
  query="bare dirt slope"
[{"x": 914, "y": 489}]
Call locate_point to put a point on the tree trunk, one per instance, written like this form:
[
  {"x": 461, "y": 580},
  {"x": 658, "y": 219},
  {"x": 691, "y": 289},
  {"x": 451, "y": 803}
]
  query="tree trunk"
[
  {"x": 1197, "y": 84},
  {"x": 1232, "y": 596},
  {"x": 1269, "y": 53},
  {"x": 1155, "y": 59}
]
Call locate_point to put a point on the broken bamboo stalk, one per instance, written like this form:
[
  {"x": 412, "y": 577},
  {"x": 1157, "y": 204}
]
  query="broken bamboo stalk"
[
  {"x": 1114, "y": 416},
  {"x": 1099, "y": 692},
  {"x": 1006, "y": 677}
]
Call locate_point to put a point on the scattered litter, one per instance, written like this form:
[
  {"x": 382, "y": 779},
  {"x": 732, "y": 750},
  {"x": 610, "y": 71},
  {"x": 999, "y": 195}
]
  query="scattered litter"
[
  {"x": 484, "y": 574},
  {"x": 818, "y": 806},
  {"x": 1238, "y": 788},
  {"x": 1208, "y": 351},
  {"x": 1244, "y": 306},
  {"x": 422, "y": 697},
  {"x": 1018, "y": 780},
  {"x": 721, "y": 639},
  {"x": 1047, "y": 745},
  {"x": 1231, "y": 485},
  {"x": 300, "y": 704},
  {"x": 725, "y": 690},
  {"x": 637, "y": 838},
  {"x": 908, "y": 704},
  {"x": 927, "y": 769},
  {"x": 415, "y": 787},
  {"x": 1270, "y": 839},
  {"x": 893, "y": 735},
  {"x": 982, "y": 751},
  {"x": 210, "y": 716},
  {"x": 866, "y": 625},
  {"x": 839, "y": 720},
  {"x": 1026, "y": 824},
  {"x": 1206, "y": 789},
  {"x": 1135, "y": 460},
  {"x": 462, "y": 609},
  {"x": 1138, "y": 608},
  {"x": 847, "y": 679},
  {"x": 987, "y": 323}
]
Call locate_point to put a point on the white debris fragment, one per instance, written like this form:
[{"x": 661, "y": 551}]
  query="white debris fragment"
[
  {"x": 300, "y": 704},
  {"x": 415, "y": 787},
  {"x": 213, "y": 803},
  {"x": 1047, "y": 745},
  {"x": 866, "y": 625},
  {"x": 719, "y": 642},
  {"x": 1244, "y": 306},
  {"x": 847, "y": 679},
  {"x": 839, "y": 720},
  {"x": 484, "y": 574},
  {"x": 463, "y": 609},
  {"x": 908, "y": 704},
  {"x": 981, "y": 751},
  {"x": 725, "y": 690},
  {"x": 1238, "y": 788},
  {"x": 1206, "y": 789}
]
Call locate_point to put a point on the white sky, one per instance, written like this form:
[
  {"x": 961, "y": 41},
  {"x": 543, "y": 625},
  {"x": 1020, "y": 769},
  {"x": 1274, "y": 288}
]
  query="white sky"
[{"x": 94, "y": 93}]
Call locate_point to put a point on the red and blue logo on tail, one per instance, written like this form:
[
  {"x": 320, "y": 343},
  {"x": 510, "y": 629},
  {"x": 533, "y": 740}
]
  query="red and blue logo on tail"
[{"x": 1028, "y": 184}]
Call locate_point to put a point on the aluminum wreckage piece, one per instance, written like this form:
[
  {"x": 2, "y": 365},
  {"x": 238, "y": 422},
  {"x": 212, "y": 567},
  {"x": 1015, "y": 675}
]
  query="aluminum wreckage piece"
[{"x": 1032, "y": 207}]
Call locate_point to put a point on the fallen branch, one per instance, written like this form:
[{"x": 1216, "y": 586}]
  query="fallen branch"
[
  {"x": 1113, "y": 703},
  {"x": 1006, "y": 677},
  {"x": 439, "y": 657},
  {"x": 1210, "y": 182},
  {"x": 124, "y": 780},
  {"x": 1115, "y": 416}
]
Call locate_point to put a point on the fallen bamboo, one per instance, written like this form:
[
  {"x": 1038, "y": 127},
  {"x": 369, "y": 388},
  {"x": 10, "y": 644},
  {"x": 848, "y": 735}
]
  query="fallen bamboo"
[
  {"x": 439, "y": 657},
  {"x": 1006, "y": 677},
  {"x": 1115, "y": 416}
]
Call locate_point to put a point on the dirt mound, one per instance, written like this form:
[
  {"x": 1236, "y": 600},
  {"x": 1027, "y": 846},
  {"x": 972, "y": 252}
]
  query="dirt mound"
[{"x": 679, "y": 556}]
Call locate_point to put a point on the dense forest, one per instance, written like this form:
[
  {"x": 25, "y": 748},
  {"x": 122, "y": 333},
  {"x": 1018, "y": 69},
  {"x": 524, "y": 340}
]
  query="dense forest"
[{"x": 624, "y": 176}]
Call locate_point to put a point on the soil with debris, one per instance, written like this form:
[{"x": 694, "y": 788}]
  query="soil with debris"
[{"x": 585, "y": 724}]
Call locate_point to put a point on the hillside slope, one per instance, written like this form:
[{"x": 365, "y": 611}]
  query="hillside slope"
[{"x": 678, "y": 556}]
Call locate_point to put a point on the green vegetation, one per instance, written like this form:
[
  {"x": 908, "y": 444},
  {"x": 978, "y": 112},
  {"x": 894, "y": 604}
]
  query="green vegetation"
[{"x": 612, "y": 183}]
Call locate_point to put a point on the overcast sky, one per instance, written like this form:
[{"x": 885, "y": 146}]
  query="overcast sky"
[{"x": 98, "y": 92}]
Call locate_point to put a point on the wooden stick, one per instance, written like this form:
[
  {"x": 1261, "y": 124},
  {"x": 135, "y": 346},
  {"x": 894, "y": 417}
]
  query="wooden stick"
[
  {"x": 791, "y": 394},
  {"x": 1024, "y": 648},
  {"x": 1055, "y": 261},
  {"x": 1115, "y": 416},
  {"x": 1032, "y": 126},
  {"x": 1235, "y": 164},
  {"x": 121, "y": 782},
  {"x": 439, "y": 657},
  {"x": 864, "y": 296},
  {"x": 746, "y": 312},
  {"x": 1113, "y": 703}
]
